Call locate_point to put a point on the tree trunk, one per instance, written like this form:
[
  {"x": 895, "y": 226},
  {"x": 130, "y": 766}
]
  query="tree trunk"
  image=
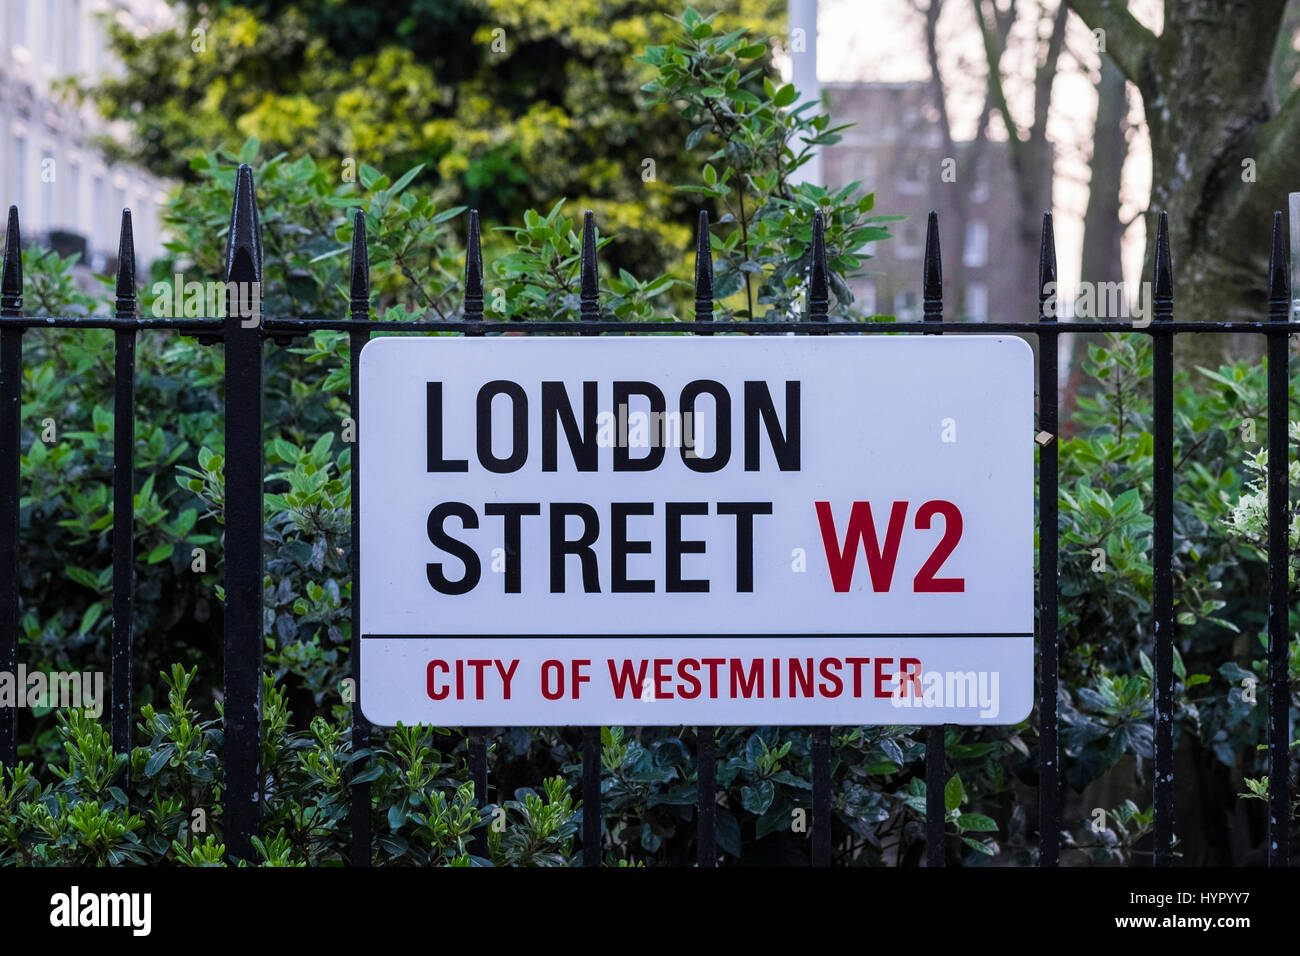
[
  {"x": 1222, "y": 158},
  {"x": 1102, "y": 231}
]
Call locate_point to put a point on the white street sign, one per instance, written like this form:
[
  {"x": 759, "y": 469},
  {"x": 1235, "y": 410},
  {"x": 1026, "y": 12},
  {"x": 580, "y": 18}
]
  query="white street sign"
[{"x": 679, "y": 530}]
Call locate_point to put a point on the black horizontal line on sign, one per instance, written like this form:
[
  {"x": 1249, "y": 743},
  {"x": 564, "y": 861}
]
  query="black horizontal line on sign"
[{"x": 751, "y": 637}]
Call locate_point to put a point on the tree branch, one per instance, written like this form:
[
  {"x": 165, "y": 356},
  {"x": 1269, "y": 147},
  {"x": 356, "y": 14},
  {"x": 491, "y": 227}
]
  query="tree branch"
[
  {"x": 1275, "y": 147},
  {"x": 993, "y": 56},
  {"x": 1047, "y": 72},
  {"x": 1127, "y": 41}
]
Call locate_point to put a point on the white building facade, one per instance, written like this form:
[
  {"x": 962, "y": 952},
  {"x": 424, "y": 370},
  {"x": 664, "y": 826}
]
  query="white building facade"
[{"x": 68, "y": 195}]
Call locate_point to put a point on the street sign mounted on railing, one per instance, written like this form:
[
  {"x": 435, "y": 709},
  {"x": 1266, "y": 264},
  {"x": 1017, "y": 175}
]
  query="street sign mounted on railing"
[{"x": 683, "y": 530}]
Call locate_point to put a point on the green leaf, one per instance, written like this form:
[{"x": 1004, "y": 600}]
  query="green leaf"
[
  {"x": 404, "y": 180},
  {"x": 157, "y": 760},
  {"x": 976, "y": 821},
  {"x": 1147, "y": 667},
  {"x": 160, "y": 553},
  {"x": 83, "y": 577},
  {"x": 91, "y": 616},
  {"x": 785, "y": 95},
  {"x": 953, "y": 792},
  {"x": 758, "y": 798}
]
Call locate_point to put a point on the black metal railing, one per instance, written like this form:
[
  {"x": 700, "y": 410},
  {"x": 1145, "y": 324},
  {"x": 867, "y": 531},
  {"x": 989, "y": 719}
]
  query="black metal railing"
[{"x": 243, "y": 340}]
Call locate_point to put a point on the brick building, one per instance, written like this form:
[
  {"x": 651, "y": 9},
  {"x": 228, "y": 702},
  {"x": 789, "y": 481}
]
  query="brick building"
[{"x": 895, "y": 148}]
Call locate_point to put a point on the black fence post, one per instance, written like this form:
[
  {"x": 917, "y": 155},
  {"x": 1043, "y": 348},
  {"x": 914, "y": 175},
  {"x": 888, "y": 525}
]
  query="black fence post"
[
  {"x": 1049, "y": 769},
  {"x": 477, "y": 736},
  {"x": 358, "y": 311},
  {"x": 11, "y": 398},
  {"x": 123, "y": 489},
  {"x": 1162, "y": 384},
  {"x": 819, "y": 298},
  {"x": 935, "y": 745},
  {"x": 243, "y": 538},
  {"x": 1279, "y": 597},
  {"x": 706, "y": 743},
  {"x": 589, "y": 311}
]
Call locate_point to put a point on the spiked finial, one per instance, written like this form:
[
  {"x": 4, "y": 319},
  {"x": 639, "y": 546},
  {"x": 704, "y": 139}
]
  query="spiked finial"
[
  {"x": 244, "y": 244},
  {"x": 11, "y": 283},
  {"x": 125, "y": 306},
  {"x": 359, "y": 265},
  {"x": 703, "y": 271},
  {"x": 244, "y": 258},
  {"x": 819, "y": 296},
  {"x": 1279, "y": 275},
  {"x": 1047, "y": 270},
  {"x": 1163, "y": 300},
  {"x": 588, "y": 285},
  {"x": 473, "y": 270},
  {"x": 932, "y": 281}
]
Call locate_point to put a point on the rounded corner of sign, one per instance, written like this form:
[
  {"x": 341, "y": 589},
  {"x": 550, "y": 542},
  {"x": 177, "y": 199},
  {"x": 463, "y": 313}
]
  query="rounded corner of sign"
[
  {"x": 1021, "y": 345},
  {"x": 371, "y": 346},
  {"x": 374, "y": 721},
  {"x": 1016, "y": 717}
]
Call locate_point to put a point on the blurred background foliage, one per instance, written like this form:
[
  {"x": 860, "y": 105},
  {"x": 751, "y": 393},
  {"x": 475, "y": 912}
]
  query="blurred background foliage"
[{"x": 507, "y": 105}]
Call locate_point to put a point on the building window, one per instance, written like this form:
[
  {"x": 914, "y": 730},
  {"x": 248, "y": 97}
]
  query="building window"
[
  {"x": 72, "y": 199},
  {"x": 977, "y": 244},
  {"x": 864, "y": 170},
  {"x": 911, "y": 176},
  {"x": 97, "y": 202},
  {"x": 980, "y": 189},
  {"x": 909, "y": 240},
  {"x": 977, "y": 302},
  {"x": 49, "y": 183},
  {"x": 905, "y": 306},
  {"x": 867, "y": 298},
  {"x": 142, "y": 223},
  {"x": 115, "y": 214},
  {"x": 20, "y": 173},
  {"x": 20, "y": 22},
  {"x": 51, "y": 32},
  {"x": 72, "y": 46}
]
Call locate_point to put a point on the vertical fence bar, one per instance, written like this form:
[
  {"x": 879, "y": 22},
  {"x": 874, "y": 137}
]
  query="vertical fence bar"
[
  {"x": 935, "y": 746},
  {"x": 705, "y": 737},
  {"x": 123, "y": 489},
  {"x": 358, "y": 310},
  {"x": 589, "y": 311},
  {"x": 477, "y": 736},
  {"x": 1049, "y": 770},
  {"x": 243, "y": 544},
  {"x": 1162, "y": 384},
  {"x": 11, "y": 398},
  {"x": 819, "y": 311},
  {"x": 1279, "y": 598}
]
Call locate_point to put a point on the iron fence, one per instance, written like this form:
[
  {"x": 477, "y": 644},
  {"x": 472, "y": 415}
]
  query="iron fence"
[{"x": 243, "y": 341}]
